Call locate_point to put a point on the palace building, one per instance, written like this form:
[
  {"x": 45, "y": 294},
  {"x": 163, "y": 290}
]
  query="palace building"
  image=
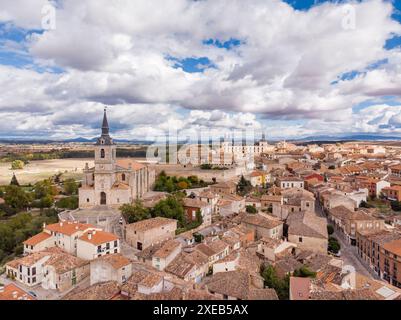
[{"x": 113, "y": 182}]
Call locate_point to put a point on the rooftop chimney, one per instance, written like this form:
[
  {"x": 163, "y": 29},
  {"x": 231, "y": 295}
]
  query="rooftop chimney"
[
  {"x": 61, "y": 224},
  {"x": 1, "y": 288},
  {"x": 89, "y": 236},
  {"x": 94, "y": 232}
]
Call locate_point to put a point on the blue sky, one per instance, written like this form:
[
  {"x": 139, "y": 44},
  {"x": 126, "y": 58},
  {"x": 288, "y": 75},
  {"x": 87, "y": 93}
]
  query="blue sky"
[{"x": 232, "y": 68}]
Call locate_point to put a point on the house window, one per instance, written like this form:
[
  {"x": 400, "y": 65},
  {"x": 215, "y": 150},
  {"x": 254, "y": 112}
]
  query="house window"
[
  {"x": 123, "y": 177},
  {"x": 115, "y": 243},
  {"x": 34, "y": 271},
  {"x": 300, "y": 239},
  {"x": 33, "y": 279},
  {"x": 115, "y": 250}
]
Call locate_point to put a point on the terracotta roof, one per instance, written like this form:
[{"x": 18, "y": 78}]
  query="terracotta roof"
[
  {"x": 205, "y": 249},
  {"x": 180, "y": 266},
  {"x": 120, "y": 185},
  {"x": 151, "y": 280},
  {"x": 217, "y": 245},
  {"x": 63, "y": 262},
  {"x": 116, "y": 260},
  {"x": 238, "y": 284},
  {"x": 167, "y": 248},
  {"x": 98, "y": 237},
  {"x": 68, "y": 227},
  {"x": 100, "y": 291},
  {"x": 394, "y": 247},
  {"x": 124, "y": 163},
  {"x": 188, "y": 202},
  {"x": 299, "y": 288},
  {"x": 307, "y": 224},
  {"x": 258, "y": 220},
  {"x": 33, "y": 241},
  {"x": 149, "y": 224},
  {"x": 12, "y": 292}
]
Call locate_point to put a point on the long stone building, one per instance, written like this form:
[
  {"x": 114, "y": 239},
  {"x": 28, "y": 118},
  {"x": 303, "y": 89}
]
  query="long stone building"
[{"x": 113, "y": 181}]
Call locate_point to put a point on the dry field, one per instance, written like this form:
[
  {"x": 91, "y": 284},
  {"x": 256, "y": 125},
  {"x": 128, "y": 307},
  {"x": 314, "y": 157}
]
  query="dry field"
[{"x": 42, "y": 169}]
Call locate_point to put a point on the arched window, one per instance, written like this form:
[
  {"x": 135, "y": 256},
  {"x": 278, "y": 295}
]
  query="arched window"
[
  {"x": 102, "y": 153},
  {"x": 123, "y": 177}
]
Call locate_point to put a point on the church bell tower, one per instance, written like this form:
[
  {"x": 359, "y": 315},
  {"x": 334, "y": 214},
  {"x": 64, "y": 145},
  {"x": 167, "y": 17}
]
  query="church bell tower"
[{"x": 105, "y": 149}]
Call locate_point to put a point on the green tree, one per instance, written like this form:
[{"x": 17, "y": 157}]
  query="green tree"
[
  {"x": 70, "y": 186},
  {"x": 134, "y": 213},
  {"x": 304, "y": 272},
  {"x": 46, "y": 201},
  {"x": 330, "y": 229},
  {"x": 244, "y": 186},
  {"x": 70, "y": 203},
  {"x": 17, "y": 165},
  {"x": 16, "y": 197},
  {"x": 44, "y": 188},
  {"x": 281, "y": 286},
  {"x": 251, "y": 209},
  {"x": 333, "y": 245},
  {"x": 170, "y": 208}
]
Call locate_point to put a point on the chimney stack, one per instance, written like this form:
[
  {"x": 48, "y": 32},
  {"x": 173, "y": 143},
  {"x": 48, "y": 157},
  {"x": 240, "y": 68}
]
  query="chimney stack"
[{"x": 89, "y": 236}]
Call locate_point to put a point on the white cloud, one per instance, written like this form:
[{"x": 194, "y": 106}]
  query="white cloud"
[{"x": 115, "y": 53}]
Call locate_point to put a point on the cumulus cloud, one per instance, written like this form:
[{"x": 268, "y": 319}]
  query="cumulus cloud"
[{"x": 288, "y": 66}]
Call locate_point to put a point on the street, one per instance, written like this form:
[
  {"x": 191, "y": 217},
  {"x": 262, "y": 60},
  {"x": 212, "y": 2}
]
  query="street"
[{"x": 348, "y": 252}]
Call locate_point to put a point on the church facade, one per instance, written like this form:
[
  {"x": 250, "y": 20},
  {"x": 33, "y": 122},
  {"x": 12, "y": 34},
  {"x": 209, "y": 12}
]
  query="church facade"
[{"x": 113, "y": 182}]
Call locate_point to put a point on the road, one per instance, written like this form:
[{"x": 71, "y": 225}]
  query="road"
[{"x": 348, "y": 252}]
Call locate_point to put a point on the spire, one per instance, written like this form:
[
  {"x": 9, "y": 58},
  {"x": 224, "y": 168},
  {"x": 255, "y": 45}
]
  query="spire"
[
  {"x": 105, "y": 125},
  {"x": 105, "y": 137}
]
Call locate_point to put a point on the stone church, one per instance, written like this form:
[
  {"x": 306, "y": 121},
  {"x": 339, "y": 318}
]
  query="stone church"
[{"x": 113, "y": 182}]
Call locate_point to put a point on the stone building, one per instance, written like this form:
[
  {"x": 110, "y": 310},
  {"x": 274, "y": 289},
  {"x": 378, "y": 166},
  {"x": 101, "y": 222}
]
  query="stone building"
[{"x": 111, "y": 181}]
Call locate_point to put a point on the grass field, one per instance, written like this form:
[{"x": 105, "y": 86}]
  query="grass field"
[{"x": 39, "y": 170}]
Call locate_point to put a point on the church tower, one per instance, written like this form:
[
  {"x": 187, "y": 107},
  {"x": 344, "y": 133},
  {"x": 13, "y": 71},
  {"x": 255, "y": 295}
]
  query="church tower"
[{"x": 105, "y": 163}]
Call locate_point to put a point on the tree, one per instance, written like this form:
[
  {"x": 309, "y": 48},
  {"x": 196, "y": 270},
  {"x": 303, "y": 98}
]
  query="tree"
[
  {"x": 17, "y": 165},
  {"x": 330, "y": 229},
  {"x": 304, "y": 272},
  {"x": 206, "y": 166},
  {"x": 16, "y": 197},
  {"x": 244, "y": 186},
  {"x": 46, "y": 201},
  {"x": 333, "y": 245},
  {"x": 44, "y": 188},
  {"x": 70, "y": 203},
  {"x": 251, "y": 209},
  {"x": 182, "y": 185},
  {"x": 70, "y": 186},
  {"x": 281, "y": 286},
  {"x": 14, "y": 181},
  {"x": 134, "y": 213},
  {"x": 170, "y": 208}
]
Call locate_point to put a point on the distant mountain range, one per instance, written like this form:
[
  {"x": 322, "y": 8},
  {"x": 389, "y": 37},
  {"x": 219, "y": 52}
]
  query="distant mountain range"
[
  {"x": 319, "y": 138},
  {"x": 359, "y": 137}
]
